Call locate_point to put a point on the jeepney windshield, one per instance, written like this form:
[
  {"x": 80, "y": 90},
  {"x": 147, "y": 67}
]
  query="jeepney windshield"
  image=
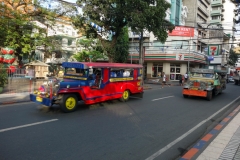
[
  {"x": 76, "y": 72},
  {"x": 202, "y": 75}
]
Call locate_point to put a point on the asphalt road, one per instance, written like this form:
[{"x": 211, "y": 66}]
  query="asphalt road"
[{"x": 162, "y": 125}]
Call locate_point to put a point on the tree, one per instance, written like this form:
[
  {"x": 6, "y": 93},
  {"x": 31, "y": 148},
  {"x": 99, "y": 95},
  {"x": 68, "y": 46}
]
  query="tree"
[
  {"x": 122, "y": 47},
  {"x": 92, "y": 51},
  {"x": 233, "y": 58},
  {"x": 17, "y": 25},
  {"x": 113, "y": 15}
]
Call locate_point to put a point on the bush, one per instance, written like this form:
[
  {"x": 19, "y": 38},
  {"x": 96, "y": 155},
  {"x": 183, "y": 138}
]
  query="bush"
[{"x": 3, "y": 75}]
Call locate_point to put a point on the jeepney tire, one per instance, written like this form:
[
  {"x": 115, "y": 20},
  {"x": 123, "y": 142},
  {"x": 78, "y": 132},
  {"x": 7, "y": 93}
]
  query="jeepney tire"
[
  {"x": 125, "y": 96},
  {"x": 185, "y": 96},
  {"x": 64, "y": 107},
  {"x": 209, "y": 95}
]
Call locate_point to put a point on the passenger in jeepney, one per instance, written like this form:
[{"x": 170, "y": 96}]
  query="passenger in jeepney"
[
  {"x": 126, "y": 73},
  {"x": 91, "y": 77},
  {"x": 113, "y": 74},
  {"x": 98, "y": 78}
]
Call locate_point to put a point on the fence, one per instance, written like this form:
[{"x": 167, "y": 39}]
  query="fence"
[{"x": 19, "y": 81}]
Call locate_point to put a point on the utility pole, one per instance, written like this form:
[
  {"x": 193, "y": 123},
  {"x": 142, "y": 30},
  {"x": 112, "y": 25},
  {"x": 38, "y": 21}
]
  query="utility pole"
[{"x": 141, "y": 55}]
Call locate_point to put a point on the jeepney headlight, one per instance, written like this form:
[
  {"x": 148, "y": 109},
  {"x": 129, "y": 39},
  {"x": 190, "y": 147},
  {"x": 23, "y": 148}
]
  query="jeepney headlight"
[{"x": 68, "y": 86}]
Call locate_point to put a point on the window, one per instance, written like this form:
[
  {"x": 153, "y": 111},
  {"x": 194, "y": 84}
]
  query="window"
[
  {"x": 76, "y": 72},
  {"x": 157, "y": 70},
  {"x": 215, "y": 8},
  {"x": 175, "y": 71},
  {"x": 215, "y": 17},
  {"x": 126, "y": 72}
]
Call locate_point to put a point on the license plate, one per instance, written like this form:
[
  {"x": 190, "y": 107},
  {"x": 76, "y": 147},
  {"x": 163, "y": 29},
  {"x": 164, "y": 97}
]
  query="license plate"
[
  {"x": 39, "y": 99},
  {"x": 194, "y": 88}
]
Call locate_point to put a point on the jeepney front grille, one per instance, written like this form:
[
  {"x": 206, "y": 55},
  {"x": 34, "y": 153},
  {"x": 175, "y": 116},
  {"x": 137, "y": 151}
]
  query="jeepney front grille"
[
  {"x": 196, "y": 84},
  {"x": 200, "y": 85}
]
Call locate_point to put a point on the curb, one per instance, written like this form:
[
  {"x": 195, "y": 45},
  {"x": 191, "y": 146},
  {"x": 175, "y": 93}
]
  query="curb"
[
  {"x": 12, "y": 102},
  {"x": 201, "y": 144}
]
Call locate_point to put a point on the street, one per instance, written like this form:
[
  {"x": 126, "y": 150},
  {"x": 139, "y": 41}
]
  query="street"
[{"x": 161, "y": 126}]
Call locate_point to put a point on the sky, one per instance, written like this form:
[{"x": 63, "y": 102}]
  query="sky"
[{"x": 72, "y": 1}]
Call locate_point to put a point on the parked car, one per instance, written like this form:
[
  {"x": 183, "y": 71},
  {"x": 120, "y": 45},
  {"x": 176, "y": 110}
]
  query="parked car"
[{"x": 230, "y": 79}]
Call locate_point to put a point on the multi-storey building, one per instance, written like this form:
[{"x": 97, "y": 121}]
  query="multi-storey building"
[
  {"x": 177, "y": 54},
  {"x": 209, "y": 19}
]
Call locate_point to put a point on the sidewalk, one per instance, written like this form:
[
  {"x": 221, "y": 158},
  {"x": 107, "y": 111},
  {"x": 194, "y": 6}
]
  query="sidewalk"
[
  {"x": 225, "y": 141},
  {"x": 14, "y": 98}
]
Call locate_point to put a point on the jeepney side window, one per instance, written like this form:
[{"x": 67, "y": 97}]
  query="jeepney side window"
[
  {"x": 128, "y": 72},
  {"x": 76, "y": 72},
  {"x": 140, "y": 71},
  {"x": 119, "y": 73},
  {"x": 114, "y": 73}
]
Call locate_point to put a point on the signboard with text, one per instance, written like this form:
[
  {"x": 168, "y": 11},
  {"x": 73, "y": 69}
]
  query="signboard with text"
[{"x": 182, "y": 31}]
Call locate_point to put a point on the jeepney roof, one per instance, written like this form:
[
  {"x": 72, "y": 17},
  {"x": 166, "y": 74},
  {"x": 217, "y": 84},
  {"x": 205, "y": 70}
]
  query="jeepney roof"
[
  {"x": 86, "y": 65},
  {"x": 200, "y": 70}
]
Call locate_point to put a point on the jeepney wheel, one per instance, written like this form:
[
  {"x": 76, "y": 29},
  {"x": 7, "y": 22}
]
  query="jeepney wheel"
[
  {"x": 185, "y": 96},
  {"x": 209, "y": 95},
  {"x": 125, "y": 96},
  {"x": 69, "y": 103}
]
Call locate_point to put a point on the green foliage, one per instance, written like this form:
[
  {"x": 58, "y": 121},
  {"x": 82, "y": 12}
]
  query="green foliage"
[
  {"x": 113, "y": 15},
  {"x": 233, "y": 57},
  {"x": 86, "y": 56},
  {"x": 18, "y": 29},
  {"x": 122, "y": 47},
  {"x": 92, "y": 51},
  {"x": 3, "y": 75}
]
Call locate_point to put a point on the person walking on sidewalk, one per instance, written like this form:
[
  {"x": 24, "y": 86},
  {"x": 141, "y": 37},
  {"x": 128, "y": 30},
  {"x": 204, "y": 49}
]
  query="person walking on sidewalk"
[
  {"x": 186, "y": 77},
  {"x": 163, "y": 79},
  {"x": 180, "y": 78}
]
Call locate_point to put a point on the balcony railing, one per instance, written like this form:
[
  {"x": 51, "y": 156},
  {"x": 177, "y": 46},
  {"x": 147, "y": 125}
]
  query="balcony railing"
[
  {"x": 217, "y": 21},
  {"x": 216, "y": 3},
  {"x": 216, "y": 12}
]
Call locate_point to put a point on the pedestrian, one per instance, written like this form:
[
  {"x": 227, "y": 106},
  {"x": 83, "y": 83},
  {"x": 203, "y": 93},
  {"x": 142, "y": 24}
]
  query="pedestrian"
[
  {"x": 163, "y": 79},
  {"x": 186, "y": 77},
  {"x": 183, "y": 79},
  {"x": 180, "y": 79}
]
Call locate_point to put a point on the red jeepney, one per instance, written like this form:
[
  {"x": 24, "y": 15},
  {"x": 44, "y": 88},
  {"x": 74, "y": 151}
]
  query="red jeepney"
[{"x": 91, "y": 83}]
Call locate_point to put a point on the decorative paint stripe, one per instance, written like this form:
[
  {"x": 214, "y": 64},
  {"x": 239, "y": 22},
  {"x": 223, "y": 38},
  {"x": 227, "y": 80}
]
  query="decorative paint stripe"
[
  {"x": 201, "y": 143},
  {"x": 190, "y": 153},
  {"x": 207, "y": 137},
  {"x": 74, "y": 77},
  {"x": 120, "y": 79},
  {"x": 218, "y": 127}
]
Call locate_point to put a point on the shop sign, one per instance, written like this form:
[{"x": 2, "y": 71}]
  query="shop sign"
[
  {"x": 182, "y": 31},
  {"x": 180, "y": 57},
  {"x": 213, "y": 50}
]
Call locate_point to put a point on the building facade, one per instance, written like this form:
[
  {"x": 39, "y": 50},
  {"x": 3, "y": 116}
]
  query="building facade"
[{"x": 177, "y": 55}]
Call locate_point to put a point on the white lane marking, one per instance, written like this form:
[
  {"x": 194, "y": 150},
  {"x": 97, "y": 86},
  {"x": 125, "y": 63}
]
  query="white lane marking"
[
  {"x": 158, "y": 153},
  {"x": 162, "y": 98},
  {"x": 27, "y": 125}
]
